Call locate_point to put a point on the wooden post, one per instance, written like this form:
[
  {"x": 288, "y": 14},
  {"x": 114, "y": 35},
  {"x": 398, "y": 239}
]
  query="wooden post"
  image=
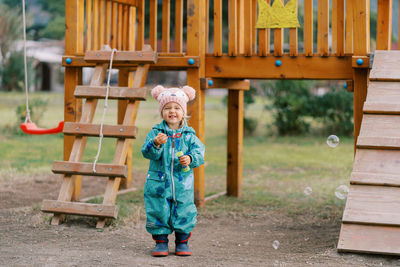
[
  {"x": 361, "y": 48},
  {"x": 235, "y": 143},
  {"x": 196, "y": 13},
  {"x": 74, "y": 15}
]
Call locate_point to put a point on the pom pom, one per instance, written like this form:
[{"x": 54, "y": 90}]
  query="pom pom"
[
  {"x": 189, "y": 91},
  {"x": 156, "y": 91}
]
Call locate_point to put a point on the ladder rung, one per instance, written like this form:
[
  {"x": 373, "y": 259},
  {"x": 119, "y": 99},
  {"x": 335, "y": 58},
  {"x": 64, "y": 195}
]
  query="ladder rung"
[
  {"x": 88, "y": 129},
  {"x": 113, "y": 93},
  {"x": 80, "y": 168},
  {"x": 78, "y": 208},
  {"x": 144, "y": 57}
]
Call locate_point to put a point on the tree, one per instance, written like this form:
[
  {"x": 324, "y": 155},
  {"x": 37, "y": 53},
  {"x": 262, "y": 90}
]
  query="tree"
[{"x": 10, "y": 30}]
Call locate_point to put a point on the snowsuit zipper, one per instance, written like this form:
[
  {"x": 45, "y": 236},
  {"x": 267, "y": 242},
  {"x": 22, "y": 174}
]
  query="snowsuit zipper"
[{"x": 172, "y": 166}]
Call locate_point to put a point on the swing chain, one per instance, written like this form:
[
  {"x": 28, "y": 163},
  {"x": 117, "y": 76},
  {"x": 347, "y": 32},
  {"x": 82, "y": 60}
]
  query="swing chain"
[{"x": 28, "y": 113}]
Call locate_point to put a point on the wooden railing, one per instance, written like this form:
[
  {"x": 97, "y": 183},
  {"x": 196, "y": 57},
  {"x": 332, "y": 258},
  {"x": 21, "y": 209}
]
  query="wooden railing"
[
  {"x": 327, "y": 29},
  {"x": 334, "y": 29}
]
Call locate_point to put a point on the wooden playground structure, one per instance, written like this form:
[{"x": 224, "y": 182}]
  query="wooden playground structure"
[{"x": 220, "y": 51}]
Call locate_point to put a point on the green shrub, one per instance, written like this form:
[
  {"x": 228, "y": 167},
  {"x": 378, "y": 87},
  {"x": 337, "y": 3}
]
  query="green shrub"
[
  {"x": 12, "y": 73},
  {"x": 291, "y": 102},
  {"x": 335, "y": 110}
]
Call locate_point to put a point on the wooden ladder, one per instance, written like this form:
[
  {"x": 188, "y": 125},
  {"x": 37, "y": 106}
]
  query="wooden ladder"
[
  {"x": 124, "y": 133},
  {"x": 371, "y": 219}
]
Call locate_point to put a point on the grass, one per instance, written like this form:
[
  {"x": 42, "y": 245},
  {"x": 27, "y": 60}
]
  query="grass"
[{"x": 276, "y": 170}]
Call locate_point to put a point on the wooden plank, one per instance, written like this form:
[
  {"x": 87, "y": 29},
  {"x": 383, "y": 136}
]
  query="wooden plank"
[
  {"x": 253, "y": 27},
  {"x": 108, "y": 23},
  {"x": 166, "y": 22},
  {"x": 386, "y": 66},
  {"x": 179, "y": 26},
  {"x": 293, "y": 50},
  {"x": 308, "y": 28},
  {"x": 120, "y": 56},
  {"x": 140, "y": 24},
  {"x": 232, "y": 21},
  {"x": 217, "y": 28},
  {"x": 127, "y": 2},
  {"x": 365, "y": 63},
  {"x": 377, "y": 161},
  {"x": 264, "y": 42},
  {"x": 114, "y": 30},
  {"x": 369, "y": 239},
  {"x": 349, "y": 28},
  {"x": 240, "y": 26},
  {"x": 80, "y": 168},
  {"x": 125, "y": 27},
  {"x": 387, "y": 92},
  {"x": 248, "y": 28},
  {"x": 76, "y": 208},
  {"x": 88, "y": 25},
  {"x": 232, "y": 84},
  {"x": 126, "y": 93},
  {"x": 323, "y": 28},
  {"x": 88, "y": 129},
  {"x": 338, "y": 10},
  {"x": 235, "y": 143},
  {"x": 278, "y": 42},
  {"x": 368, "y": 204},
  {"x": 384, "y": 25},
  {"x": 132, "y": 29},
  {"x": 153, "y": 24},
  {"x": 102, "y": 22},
  {"x": 299, "y": 67},
  {"x": 366, "y": 178},
  {"x": 381, "y": 108},
  {"x": 163, "y": 62},
  {"x": 96, "y": 27},
  {"x": 379, "y": 131},
  {"x": 120, "y": 32}
]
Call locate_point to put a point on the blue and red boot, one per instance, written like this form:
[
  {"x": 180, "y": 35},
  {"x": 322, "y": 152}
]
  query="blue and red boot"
[
  {"x": 161, "y": 248},
  {"x": 181, "y": 242}
]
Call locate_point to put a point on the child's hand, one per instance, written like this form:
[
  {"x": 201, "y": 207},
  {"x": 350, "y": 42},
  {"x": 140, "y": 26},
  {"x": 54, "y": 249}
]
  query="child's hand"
[
  {"x": 184, "y": 160},
  {"x": 160, "y": 139}
]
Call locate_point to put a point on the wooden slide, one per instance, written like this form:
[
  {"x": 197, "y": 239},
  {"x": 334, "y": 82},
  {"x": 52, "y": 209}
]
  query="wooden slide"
[{"x": 371, "y": 219}]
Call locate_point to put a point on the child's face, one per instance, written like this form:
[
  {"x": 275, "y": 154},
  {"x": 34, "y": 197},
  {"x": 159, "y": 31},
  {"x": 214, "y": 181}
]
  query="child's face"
[{"x": 172, "y": 113}]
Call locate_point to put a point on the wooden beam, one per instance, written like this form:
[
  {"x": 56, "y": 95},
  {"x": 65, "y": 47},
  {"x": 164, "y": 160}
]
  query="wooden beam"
[
  {"x": 233, "y": 22},
  {"x": 79, "y": 168},
  {"x": 179, "y": 26},
  {"x": 127, "y": 2},
  {"x": 301, "y": 67},
  {"x": 166, "y": 22},
  {"x": 235, "y": 143},
  {"x": 140, "y": 24},
  {"x": 76, "y": 208},
  {"x": 126, "y": 93},
  {"x": 196, "y": 47},
  {"x": 218, "y": 28},
  {"x": 323, "y": 28},
  {"x": 308, "y": 27},
  {"x": 85, "y": 129},
  {"x": 232, "y": 84},
  {"x": 141, "y": 57}
]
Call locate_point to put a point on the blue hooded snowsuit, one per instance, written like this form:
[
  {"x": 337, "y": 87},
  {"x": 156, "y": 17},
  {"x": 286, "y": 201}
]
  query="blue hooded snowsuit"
[{"x": 168, "y": 192}]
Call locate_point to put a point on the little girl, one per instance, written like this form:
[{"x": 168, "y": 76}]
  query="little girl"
[{"x": 173, "y": 150}]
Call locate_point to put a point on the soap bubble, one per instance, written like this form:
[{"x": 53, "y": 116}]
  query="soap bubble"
[
  {"x": 341, "y": 191},
  {"x": 275, "y": 244},
  {"x": 308, "y": 191},
  {"x": 276, "y": 263},
  {"x": 332, "y": 141}
]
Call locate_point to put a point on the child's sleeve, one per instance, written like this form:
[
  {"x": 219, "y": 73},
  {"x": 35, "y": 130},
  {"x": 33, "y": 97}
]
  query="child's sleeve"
[
  {"x": 149, "y": 149},
  {"x": 196, "y": 152}
]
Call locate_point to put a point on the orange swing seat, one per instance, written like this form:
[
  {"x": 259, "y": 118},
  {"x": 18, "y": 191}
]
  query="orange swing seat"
[{"x": 31, "y": 128}]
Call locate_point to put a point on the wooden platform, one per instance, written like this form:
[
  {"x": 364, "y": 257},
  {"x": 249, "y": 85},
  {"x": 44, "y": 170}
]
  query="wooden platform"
[{"x": 371, "y": 219}]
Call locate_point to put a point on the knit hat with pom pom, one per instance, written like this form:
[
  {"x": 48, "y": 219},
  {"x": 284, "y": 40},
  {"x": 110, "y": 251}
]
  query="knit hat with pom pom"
[{"x": 178, "y": 95}]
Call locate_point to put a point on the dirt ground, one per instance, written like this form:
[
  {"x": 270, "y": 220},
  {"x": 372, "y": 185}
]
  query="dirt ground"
[{"x": 27, "y": 239}]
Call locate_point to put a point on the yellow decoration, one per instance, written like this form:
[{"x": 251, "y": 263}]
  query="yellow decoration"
[{"x": 277, "y": 15}]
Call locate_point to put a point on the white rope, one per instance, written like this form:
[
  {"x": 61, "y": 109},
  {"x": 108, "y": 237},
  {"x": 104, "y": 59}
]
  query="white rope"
[
  {"x": 28, "y": 113},
  {"x": 104, "y": 110}
]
